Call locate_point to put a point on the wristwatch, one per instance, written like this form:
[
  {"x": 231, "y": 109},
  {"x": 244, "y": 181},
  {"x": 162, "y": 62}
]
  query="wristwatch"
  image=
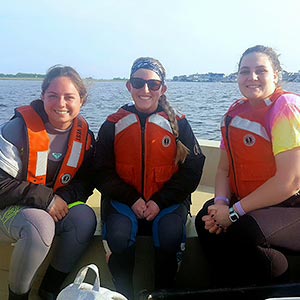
[{"x": 233, "y": 215}]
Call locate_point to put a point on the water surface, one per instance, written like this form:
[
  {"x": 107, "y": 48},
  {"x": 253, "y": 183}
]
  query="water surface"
[{"x": 202, "y": 103}]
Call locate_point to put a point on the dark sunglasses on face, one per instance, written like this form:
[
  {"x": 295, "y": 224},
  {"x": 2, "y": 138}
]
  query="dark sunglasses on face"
[{"x": 138, "y": 83}]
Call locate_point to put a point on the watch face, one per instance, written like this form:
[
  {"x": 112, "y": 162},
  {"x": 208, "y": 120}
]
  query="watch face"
[{"x": 233, "y": 218}]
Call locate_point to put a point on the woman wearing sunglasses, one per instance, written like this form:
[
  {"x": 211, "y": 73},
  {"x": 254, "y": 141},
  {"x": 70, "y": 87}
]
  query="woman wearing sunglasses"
[{"x": 148, "y": 163}]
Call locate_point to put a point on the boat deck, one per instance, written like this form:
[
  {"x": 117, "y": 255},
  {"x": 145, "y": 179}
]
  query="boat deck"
[
  {"x": 194, "y": 268},
  {"x": 95, "y": 253},
  {"x": 193, "y": 262}
]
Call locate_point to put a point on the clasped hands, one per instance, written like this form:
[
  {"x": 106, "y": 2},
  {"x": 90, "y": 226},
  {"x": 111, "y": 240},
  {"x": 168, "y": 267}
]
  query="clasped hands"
[
  {"x": 217, "y": 220},
  {"x": 145, "y": 210},
  {"x": 58, "y": 208}
]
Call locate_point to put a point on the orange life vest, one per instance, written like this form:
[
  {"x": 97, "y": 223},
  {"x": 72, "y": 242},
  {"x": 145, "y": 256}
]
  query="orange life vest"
[
  {"x": 248, "y": 145},
  {"x": 145, "y": 160},
  {"x": 38, "y": 148}
]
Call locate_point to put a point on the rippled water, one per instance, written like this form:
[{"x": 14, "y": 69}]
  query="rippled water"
[{"x": 202, "y": 103}]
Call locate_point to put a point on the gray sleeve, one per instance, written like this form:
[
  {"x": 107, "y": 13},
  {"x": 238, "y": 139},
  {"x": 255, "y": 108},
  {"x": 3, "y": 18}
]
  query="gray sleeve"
[
  {"x": 14, "y": 132},
  {"x": 11, "y": 141}
]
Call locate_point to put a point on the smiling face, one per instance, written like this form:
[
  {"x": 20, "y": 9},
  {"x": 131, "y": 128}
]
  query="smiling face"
[
  {"x": 62, "y": 102},
  {"x": 145, "y": 100},
  {"x": 257, "y": 79}
]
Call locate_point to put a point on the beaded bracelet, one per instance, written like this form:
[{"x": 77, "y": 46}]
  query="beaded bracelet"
[{"x": 222, "y": 198}]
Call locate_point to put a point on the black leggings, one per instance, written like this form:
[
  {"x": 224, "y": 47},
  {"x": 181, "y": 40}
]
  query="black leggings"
[
  {"x": 243, "y": 255},
  {"x": 120, "y": 229}
]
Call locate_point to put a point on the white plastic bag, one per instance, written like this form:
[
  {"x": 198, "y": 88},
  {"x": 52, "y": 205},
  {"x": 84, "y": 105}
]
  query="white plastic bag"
[{"x": 79, "y": 290}]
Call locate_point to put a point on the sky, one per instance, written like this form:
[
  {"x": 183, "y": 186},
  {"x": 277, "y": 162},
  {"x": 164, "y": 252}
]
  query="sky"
[{"x": 102, "y": 38}]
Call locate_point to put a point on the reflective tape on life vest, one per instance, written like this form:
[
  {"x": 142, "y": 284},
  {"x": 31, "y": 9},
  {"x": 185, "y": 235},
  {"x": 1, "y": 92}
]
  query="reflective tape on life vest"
[
  {"x": 125, "y": 123},
  {"x": 161, "y": 122},
  {"x": 41, "y": 163},
  {"x": 250, "y": 126},
  {"x": 75, "y": 155}
]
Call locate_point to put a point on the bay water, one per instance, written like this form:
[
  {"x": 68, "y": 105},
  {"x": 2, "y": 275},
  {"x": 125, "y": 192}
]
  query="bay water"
[{"x": 203, "y": 103}]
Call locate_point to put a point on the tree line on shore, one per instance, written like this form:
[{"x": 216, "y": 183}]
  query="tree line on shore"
[{"x": 22, "y": 76}]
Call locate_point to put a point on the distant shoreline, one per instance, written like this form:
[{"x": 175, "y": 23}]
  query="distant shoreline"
[
  {"x": 206, "y": 77},
  {"x": 33, "y": 79},
  {"x": 41, "y": 79}
]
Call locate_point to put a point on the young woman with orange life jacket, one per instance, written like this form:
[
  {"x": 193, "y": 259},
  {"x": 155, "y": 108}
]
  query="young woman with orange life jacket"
[
  {"x": 255, "y": 214},
  {"x": 148, "y": 162},
  {"x": 46, "y": 151}
]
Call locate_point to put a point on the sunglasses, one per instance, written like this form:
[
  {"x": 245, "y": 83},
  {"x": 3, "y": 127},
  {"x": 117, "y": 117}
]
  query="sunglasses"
[{"x": 138, "y": 83}]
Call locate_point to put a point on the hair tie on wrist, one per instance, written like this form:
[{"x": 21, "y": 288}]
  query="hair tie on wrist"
[
  {"x": 223, "y": 199},
  {"x": 239, "y": 209}
]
